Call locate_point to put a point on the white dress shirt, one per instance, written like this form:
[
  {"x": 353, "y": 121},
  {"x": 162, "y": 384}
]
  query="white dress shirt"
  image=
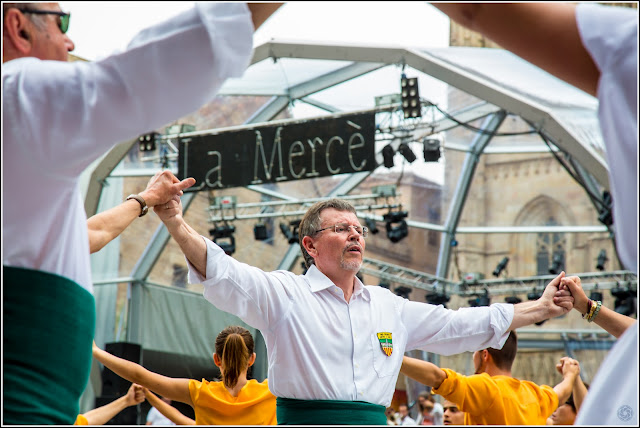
[
  {"x": 58, "y": 117},
  {"x": 322, "y": 348}
]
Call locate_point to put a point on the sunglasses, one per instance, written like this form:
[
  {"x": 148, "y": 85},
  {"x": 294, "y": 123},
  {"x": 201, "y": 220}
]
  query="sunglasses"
[{"x": 63, "y": 23}]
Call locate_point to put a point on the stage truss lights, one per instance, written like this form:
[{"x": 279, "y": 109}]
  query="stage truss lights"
[
  {"x": 402, "y": 291},
  {"x": 396, "y": 226},
  {"x": 291, "y": 231},
  {"x": 557, "y": 264},
  {"x": 481, "y": 300},
  {"x": 410, "y": 95},
  {"x": 385, "y": 285},
  {"x": 260, "y": 232},
  {"x": 625, "y": 303},
  {"x": 371, "y": 225},
  {"x": 514, "y": 300},
  {"x": 223, "y": 237},
  {"x": 387, "y": 156},
  {"x": 501, "y": 266},
  {"x": 602, "y": 259},
  {"x": 147, "y": 142},
  {"x": 596, "y": 295},
  {"x": 431, "y": 149},
  {"x": 436, "y": 298},
  {"x": 406, "y": 152}
]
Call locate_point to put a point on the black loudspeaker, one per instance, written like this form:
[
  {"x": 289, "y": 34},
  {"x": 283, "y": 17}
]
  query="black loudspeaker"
[
  {"x": 112, "y": 384},
  {"x": 128, "y": 416}
]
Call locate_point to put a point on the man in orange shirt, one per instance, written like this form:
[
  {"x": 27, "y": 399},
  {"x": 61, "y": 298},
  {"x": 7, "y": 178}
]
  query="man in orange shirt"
[{"x": 492, "y": 396}]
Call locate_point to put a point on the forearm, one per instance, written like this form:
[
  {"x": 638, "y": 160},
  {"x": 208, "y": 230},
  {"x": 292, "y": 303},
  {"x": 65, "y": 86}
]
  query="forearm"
[
  {"x": 191, "y": 244},
  {"x": 613, "y": 322},
  {"x": 105, "y": 226},
  {"x": 260, "y": 12},
  {"x": 168, "y": 411},
  {"x": 527, "y": 313},
  {"x": 124, "y": 368},
  {"x": 564, "y": 388},
  {"x": 103, "y": 414},
  {"x": 423, "y": 371},
  {"x": 579, "y": 393}
]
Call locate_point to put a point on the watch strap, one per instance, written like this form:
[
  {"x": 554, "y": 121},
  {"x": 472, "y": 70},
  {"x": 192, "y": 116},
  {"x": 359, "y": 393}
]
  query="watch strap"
[{"x": 143, "y": 205}]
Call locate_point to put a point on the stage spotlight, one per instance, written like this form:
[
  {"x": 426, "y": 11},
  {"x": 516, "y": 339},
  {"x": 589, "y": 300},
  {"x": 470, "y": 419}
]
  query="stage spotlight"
[
  {"x": 501, "y": 266},
  {"x": 371, "y": 225},
  {"x": 481, "y": 300},
  {"x": 431, "y": 149},
  {"x": 291, "y": 232},
  {"x": 385, "y": 285},
  {"x": 406, "y": 151},
  {"x": 402, "y": 291},
  {"x": 223, "y": 237},
  {"x": 260, "y": 232},
  {"x": 387, "y": 156},
  {"x": 602, "y": 259},
  {"x": 147, "y": 142},
  {"x": 625, "y": 303},
  {"x": 513, "y": 300},
  {"x": 410, "y": 95},
  {"x": 557, "y": 264},
  {"x": 399, "y": 232},
  {"x": 436, "y": 298}
]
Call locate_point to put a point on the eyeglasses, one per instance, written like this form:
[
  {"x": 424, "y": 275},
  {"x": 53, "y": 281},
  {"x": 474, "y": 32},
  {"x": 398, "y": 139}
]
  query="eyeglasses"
[
  {"x": 344, "y": 228},
  {"x": 63, "y": 24}
]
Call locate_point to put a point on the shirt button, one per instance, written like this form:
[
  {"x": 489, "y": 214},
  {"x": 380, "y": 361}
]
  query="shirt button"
[{"x": 357, "y": 366}]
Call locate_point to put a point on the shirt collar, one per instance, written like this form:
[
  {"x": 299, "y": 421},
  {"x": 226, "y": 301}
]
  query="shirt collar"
[{"x": 318, "y": 281}]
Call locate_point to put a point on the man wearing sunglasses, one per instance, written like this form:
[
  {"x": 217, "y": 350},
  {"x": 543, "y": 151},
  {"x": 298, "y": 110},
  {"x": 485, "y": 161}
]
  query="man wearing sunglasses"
[
  {"x": 334, "y": 345},
  {"x": 58, "y": 117}
]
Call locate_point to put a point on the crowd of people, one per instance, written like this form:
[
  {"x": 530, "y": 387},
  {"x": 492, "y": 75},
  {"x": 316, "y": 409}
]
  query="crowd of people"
[{"x": 335, "y": 346}]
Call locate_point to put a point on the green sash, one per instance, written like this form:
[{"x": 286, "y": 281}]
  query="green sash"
[
  {"x": 328, "y": 412},
  {"x": 49, "y": 323}
]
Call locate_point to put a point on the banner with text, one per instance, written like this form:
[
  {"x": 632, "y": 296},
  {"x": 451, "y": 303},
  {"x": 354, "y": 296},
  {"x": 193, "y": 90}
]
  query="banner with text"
[{"x": 284, "y": 151}]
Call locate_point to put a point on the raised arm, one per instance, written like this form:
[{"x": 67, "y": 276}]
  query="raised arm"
[
  {"x": 611, "y": 321},
  {"x": 261, "y": 11},
  {"x": 175, "y": 389},
  {"x": 190, "y": 241},
  {"x": 545, "y": 34},
  {"x": 553, "y": 303},
  {"x": 106, "y": 226},
  {"x": 423, "y": 371},
  {"x": 168, "y": 410},
  {"x": 103, "y": 414},
  {"x": 570, "y": 369}
]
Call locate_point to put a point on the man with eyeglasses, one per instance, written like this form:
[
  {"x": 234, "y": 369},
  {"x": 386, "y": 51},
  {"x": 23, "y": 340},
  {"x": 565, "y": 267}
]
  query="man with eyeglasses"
[
  {"x": 58, "y": 117},
  {"x": 334, "y": 345}
]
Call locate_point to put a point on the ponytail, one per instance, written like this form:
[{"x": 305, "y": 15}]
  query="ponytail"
[{"x": 234, "y": 345}]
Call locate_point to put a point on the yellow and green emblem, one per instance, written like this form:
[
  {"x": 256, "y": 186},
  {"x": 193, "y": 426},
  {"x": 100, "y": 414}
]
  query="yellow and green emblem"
[{"x": 386, "y": 343}]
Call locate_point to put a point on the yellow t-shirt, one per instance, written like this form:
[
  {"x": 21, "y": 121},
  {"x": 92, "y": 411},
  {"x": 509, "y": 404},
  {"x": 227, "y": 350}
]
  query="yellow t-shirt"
[
  {"x": 213, "y": 405},
  {"x": 498, "y": 400},
  {"x": 81, "y": 420}
]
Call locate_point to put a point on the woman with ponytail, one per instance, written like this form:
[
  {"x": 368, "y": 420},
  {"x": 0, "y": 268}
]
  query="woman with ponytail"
[{"x": 233, "y": 401}]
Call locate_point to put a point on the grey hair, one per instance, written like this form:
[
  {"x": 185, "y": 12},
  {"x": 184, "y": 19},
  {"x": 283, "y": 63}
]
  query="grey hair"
[
  {"x": 311, "y": 221},
  {"x": 39, "y": 21}
]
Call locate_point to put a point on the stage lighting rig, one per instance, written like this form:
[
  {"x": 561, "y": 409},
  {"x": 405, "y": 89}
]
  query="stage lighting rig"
[
  {"x": 481, "y": 300},
  {"x": 436, "y": 298},
  {"x": 431, "y": 149},
  {"x": 395, "y": 233},
  {"x": 223, "y": 237},
  {"x": 260, "y": 232},
  {"x": 557, "y": 264},
  {"x": 402, "y": 291},
  {"x": 602, "y": 259},
  {"x": 406, "y": 152},
  {"x": 410, "y": 97},
  {"x": 387, "y": 155},
  {"x": 501, "y": 266},
  {"x": 147, "y": 142},
  {"x": 514, "y": 300},
  {"x": 371, "y": 225},
  {"x": 291, "y": 232},
  {"x": 625, "y": 303}
]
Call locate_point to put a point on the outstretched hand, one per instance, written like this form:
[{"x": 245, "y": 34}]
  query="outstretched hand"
[
  {"x": 163, "y": 186},
  {"x": 135, "y": 395},
  {"x": 559, "y": 300}
]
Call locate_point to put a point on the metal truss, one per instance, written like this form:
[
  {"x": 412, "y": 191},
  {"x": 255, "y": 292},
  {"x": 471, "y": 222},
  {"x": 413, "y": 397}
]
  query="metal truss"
[{"x": 494, "y": 287}]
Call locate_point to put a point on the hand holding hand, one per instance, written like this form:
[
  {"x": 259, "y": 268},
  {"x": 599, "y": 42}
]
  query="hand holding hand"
[
  {"x": 568, "y": 367},
  {"x": 559, "y": 301},
  {"x": 573, "y": 285},
  {"x": 163, "y": 186}
]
